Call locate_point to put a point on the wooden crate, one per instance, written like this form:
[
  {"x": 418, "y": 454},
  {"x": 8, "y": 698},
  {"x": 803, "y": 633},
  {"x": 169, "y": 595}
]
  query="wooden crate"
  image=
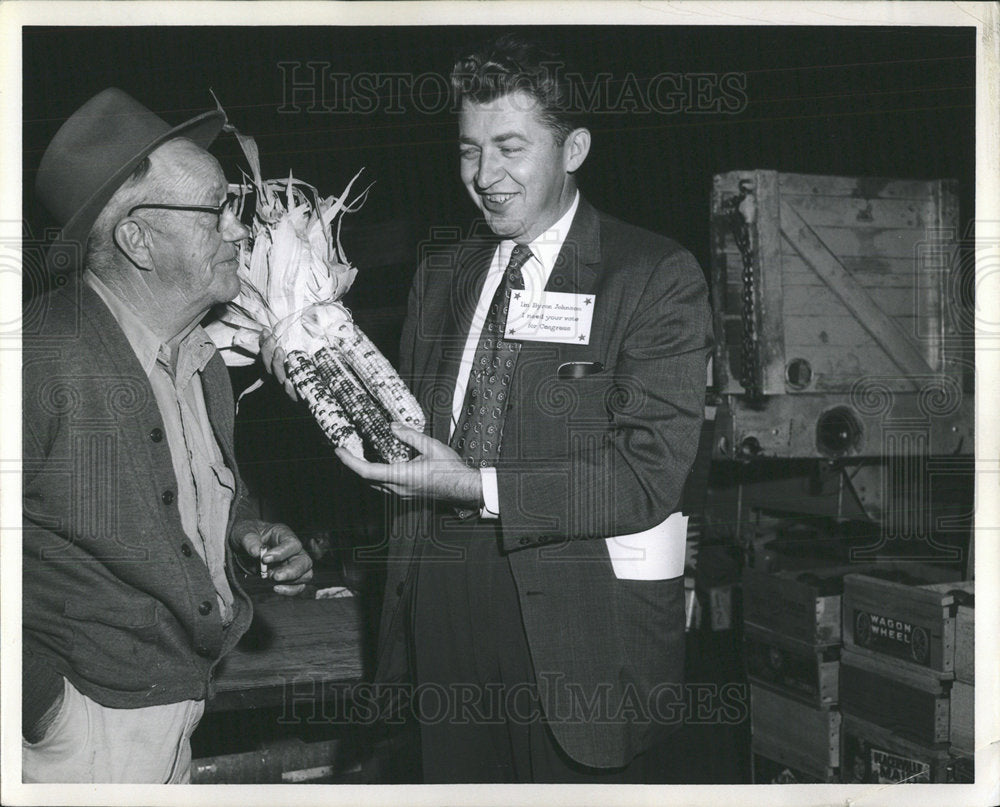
[
  {"x": 874, "y": 754},
  {"x": 803, "y": 606},
  {"x": 963, "y": 718},
  {"x": 965, "y": 643},
  {"x": 908, "y": 701},
  {"x": 788, "y": 731},
  {"x": 852, "y": 282},
  {"x": 914, "y": 624},
  {"x": 768, "y": 771},
  {"x": 791, "y": 667}
]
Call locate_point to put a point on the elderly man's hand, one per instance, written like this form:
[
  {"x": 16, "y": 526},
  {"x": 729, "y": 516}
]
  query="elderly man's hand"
[
  {"x": 276, "y": 546},
  {"x": 273, "y": 358},
  {"x": 437, "y": 473}
]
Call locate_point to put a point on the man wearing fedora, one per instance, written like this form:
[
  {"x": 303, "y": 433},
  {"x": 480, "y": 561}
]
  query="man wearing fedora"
[{"x": 134, "y": 510}]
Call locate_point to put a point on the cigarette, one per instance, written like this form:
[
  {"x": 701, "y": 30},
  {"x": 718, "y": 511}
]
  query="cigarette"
[{"x": 263, "y": 566}]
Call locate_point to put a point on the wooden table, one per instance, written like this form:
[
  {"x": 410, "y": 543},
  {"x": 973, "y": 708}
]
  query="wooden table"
[{"x": 295, "y": 646}]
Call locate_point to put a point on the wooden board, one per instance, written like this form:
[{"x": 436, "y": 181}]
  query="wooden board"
[
  {"x": 793, "y": 733},
  {"x": 873, "y": 754},
  {"x": 963, "y": 718},
  {"x": 965, "y": 643},
  {"x": 910, "y": 702},
  {"x": 294, "y": 647},
  {"x": 783, "y": 603},
  {"x": 853, "y": 187},
  {"x": 289, "y": 762},
  {"x": 841, "y": 240},
  {"x": 787, "y": 426},
  {"x": 791, "y": 667}
]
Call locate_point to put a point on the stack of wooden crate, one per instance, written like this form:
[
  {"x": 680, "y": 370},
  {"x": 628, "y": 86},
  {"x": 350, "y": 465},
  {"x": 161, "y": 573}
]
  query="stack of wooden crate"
[
  {"x": 896, "y": 679},
  {"x": 792, "y": 635}
]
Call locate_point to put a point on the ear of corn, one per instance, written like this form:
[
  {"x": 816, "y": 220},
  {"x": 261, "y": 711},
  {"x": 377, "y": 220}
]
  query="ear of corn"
[
  {"x": 324, "y": 407},
  {"x": 379, "y": 376},
  {"x": 293, "y": 274},
  {"x": 366, "y": 414}
]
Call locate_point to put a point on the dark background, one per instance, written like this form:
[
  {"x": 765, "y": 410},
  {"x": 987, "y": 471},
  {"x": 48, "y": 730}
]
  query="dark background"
[{"x": 895, "y": 102}]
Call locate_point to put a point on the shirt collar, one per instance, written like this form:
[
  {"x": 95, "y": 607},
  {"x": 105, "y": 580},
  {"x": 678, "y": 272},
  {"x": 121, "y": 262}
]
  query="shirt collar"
[
  {"x": 544, "y": 249},
  {"x": 193, "y": 354}
]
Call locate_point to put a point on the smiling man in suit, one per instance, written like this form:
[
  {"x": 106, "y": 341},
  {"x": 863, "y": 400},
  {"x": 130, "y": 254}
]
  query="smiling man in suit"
[{"x": 536, "y": 579}]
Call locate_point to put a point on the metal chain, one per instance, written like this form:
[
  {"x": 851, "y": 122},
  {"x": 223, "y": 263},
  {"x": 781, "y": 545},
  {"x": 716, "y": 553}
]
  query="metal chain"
[{"x": 739, "y": 223}]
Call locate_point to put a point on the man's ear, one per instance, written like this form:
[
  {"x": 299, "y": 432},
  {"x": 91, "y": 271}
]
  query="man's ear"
[
  {"x": 132, "y": 238},
  {"x": 575, "y": 149}
]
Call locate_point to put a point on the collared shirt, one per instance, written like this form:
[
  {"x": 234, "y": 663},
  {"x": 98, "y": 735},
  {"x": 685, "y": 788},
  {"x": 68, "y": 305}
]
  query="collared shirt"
[
  {"x": 205, "y": 485},
  {"x": 536, "y": 271}
]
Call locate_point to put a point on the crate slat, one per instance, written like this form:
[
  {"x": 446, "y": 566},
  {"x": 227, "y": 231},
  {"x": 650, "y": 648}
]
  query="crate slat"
[
  {"x": 965, "y": 644},
  {"x": 963, "y": 718}
]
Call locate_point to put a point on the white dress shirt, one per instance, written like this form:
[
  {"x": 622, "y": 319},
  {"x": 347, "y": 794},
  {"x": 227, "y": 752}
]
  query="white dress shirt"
[{"x": 536, "y": 271}]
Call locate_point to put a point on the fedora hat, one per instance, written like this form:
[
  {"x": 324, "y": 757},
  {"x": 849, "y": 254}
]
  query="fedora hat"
[{"x": 92, "y": 155}]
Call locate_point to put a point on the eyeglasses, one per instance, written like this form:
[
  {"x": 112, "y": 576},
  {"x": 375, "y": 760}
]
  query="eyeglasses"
[{"x": 242, "y": 204}]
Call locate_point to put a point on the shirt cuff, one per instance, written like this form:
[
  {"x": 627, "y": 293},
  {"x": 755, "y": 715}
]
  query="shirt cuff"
[{"x": 491, "y": 494}]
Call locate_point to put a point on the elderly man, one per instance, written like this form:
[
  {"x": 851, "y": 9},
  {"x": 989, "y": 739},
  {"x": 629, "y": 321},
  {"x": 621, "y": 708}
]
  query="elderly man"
[
  {"x": 133, "y": 505},
  {"x": 535, "y": 588}
]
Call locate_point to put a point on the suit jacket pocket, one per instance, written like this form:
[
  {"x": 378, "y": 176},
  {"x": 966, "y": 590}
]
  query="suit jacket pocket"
[{"x": 578, "y": 369}]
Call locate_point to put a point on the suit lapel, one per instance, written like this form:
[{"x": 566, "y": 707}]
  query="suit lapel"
[
  {"x": 577, "y": 270},
  {"x": 578, "y": 263}
]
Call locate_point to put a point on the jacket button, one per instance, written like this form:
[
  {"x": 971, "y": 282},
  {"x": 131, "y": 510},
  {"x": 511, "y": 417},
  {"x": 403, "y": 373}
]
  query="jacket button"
[
  {"x": 156, "y": 435},
  {"x": 524, "y": 541},
  {"x": 205, "y": 608},
  {"x": 186, "y": 550},
  {"x": 399, "y": 589},
  {"x": 167, "y": 497},
  {"x": 202, "y": 651}
]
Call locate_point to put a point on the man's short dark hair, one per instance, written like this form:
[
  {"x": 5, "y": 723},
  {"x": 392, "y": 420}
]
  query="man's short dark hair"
[{"x": 510, "y": 63}]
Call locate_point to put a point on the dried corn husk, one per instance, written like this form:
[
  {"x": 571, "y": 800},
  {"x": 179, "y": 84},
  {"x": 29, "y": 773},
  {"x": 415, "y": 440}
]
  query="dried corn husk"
[{"x": 293, "y": 273}]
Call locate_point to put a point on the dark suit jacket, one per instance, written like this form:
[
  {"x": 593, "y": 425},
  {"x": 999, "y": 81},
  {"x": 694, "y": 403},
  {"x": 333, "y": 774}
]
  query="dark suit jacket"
[
  {"x": 582, "y": 459},
  {"x": 114, "y": 594}
]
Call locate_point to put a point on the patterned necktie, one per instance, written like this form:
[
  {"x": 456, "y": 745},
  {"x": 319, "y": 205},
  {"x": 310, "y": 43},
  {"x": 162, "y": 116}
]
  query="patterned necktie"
[{"x": 480, "y": 425}]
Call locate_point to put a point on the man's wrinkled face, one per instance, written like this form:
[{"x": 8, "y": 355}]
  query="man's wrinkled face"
[
  {"x": 197, "y": 252},
  {"x": 512, "y": 166}
]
